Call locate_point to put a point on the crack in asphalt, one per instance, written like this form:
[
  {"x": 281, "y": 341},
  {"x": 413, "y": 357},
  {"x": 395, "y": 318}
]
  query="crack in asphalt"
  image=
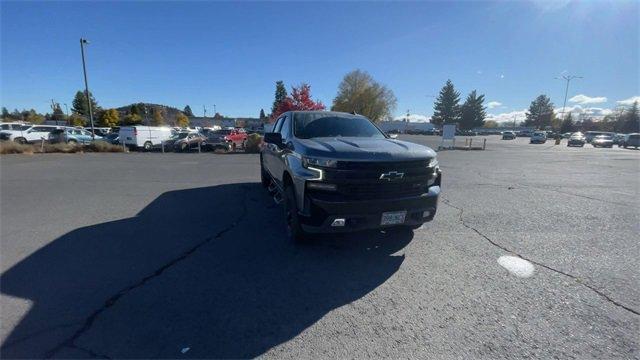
[
  {"x": 513, "y": 185},
  {"x": 36, "y": 334},
  {"x": 111, "y": 301},
  {"x": 93, "y": 354},
  {"x": 575, "y": 278}
]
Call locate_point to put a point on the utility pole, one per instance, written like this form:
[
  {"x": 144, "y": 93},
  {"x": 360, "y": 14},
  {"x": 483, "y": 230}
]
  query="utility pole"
[
  {"x": 214, "y": 109},
  {"x": 204, "y": 108},
  {"x": 568, "y": 79},
  {"x": 86, "y": 85}
]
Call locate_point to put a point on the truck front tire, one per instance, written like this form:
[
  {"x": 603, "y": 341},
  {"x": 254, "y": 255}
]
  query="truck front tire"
[{"x": 292, "y": 220}]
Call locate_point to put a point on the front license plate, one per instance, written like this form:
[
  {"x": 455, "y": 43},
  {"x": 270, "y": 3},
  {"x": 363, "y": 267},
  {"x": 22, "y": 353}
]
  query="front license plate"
[{"x": 393, "y": 218}]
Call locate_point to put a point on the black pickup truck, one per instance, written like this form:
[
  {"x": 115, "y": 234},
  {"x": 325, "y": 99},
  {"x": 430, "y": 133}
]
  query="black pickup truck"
[{"x": 338, "y": 172}]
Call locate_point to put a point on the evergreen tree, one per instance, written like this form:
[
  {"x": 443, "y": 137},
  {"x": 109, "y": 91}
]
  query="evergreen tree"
[
  {"x": 281, "y": 94},
  {"x": 58, "y": 114},
  {"x": 446, "y": 107},
  {"x": 5, "y": 113},
  {"x": 540, "y": 113},
  {"x": 79, "y": 104},
  {"x": 262, "y": 115},
  {"x": 472, "y": 112},
  {"x": 187, "y": 111},
  {"x": 632, "y": 119},
  {"x": 568, "y": 124}
]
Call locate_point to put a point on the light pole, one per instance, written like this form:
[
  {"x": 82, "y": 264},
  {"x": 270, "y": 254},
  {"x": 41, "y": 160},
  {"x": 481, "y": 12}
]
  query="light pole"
[
  {"x": 86, "y": 85},
  {"x": 204, "y": 110},
  {"x": 568, "y": 79}
]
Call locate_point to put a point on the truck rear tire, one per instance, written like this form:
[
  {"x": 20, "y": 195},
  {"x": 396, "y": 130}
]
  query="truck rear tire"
[
  {"x": 147, "y": 146},
  {"x": 294, "y": 230}
]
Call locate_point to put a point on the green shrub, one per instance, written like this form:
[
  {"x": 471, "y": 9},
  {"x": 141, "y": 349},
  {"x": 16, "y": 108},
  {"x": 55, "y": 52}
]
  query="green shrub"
[{"x": 253, "y": 143}]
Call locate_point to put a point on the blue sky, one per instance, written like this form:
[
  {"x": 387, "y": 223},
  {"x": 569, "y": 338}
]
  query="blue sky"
[{"x": 231, "y": 54}]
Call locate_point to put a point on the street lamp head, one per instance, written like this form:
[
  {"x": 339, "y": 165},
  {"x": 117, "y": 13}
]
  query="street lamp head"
[{"x": 84, "y": 41}]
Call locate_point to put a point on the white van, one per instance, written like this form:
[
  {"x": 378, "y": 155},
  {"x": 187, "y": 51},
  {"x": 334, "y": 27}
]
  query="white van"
[{"x": 146, "y": 137}]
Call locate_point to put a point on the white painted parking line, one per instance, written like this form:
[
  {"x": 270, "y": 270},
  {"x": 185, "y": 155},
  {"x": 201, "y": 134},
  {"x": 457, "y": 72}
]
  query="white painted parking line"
[{"x": 517, "y": 266}]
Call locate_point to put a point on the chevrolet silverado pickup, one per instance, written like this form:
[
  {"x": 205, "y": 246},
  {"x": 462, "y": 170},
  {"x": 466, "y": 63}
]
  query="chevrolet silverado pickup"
[{"x": 338, "y": 172}]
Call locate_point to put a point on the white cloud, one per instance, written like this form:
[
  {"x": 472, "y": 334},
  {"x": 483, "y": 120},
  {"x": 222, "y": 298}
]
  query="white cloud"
[
  {"x": 413, "y": 118},
  {"x": 493, "y": 104},
  {"x": 508, "y": 116},
  {"x": 629, "y": 101},
  {"x": 584, "y": 99},
  {"x": 578, "y": 111}
]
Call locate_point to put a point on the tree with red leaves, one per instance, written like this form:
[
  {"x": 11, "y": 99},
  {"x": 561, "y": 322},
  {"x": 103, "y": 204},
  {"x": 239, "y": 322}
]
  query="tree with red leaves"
[{"x": 300, "y": 99}]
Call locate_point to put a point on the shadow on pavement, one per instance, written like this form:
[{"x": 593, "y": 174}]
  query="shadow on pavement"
[{"x": 204, "y": 268}]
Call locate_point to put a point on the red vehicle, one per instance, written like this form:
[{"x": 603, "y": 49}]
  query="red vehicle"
[{"x": 237, "y": 137}]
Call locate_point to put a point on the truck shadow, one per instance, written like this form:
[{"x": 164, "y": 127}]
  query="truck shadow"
[{"x": 206, "y": 269}]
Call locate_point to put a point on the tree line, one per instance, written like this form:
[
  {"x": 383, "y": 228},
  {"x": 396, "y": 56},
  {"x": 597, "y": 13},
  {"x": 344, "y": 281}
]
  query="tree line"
[{"x": 359, "y": 93}]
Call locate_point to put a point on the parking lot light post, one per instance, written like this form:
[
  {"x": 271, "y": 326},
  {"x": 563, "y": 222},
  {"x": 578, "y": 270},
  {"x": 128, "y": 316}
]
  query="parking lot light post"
[
  {"x": 86, "y": 86},
  {"x": 568, "y": 79}
]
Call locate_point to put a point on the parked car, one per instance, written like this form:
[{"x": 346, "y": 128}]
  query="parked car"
[
  {"x": 538, "y": 137},
  {"x": 71, "y": 135},
  {"x": 189, "y": 142},
  {"x": 337, "y": 172},
  {"x": 524, "y": 133},
  {"x": 146, "y": 137},
  {"x": 590, "y": 135},
  {"x": 28, "y": 133},
  {"x": 602, "y": 141},
  {"x": 576, "y": 139},
  {"x": 216, "y": 141},
  {"x": 12, "y": 125},
  {"x": 112, "y": 138},
  {"x": 237, "y": 137},
  {"x": 618, "y": 138},
  {"x": 630, "y": 140},
  {"x": 100, "y": 131},
  {"x": 508, "y": 135},
  {"x": 566, "y": 135}
]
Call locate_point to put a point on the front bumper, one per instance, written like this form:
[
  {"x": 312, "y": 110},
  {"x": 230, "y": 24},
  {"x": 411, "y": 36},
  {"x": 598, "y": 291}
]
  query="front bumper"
[{"x": 320, "y": 212}]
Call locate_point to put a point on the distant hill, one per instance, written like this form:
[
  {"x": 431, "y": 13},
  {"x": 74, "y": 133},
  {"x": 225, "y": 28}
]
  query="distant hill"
[{"x": 170, "y": 112}]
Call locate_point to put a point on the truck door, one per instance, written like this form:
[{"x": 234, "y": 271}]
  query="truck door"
[
  {"x": 279, "y": 153},
  {"x": 271, "y": 149}
]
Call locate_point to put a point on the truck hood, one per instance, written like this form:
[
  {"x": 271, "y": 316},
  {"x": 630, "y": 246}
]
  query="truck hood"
[{"x": 365, "y": 149}]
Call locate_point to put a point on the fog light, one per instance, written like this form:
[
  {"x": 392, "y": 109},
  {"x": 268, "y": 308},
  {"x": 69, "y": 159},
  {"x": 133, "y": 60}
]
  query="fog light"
[
  {"x": 426, "y": 214},
  {"x": 321, "y": 186},
  {"x": 338, "y": 222}
]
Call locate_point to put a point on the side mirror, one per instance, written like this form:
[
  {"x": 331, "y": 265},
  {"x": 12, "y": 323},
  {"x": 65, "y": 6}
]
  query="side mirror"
[{"x": 273, "y": 138}]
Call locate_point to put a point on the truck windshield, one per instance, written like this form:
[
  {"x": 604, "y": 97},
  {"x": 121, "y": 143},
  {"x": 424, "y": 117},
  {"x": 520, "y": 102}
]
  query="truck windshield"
[{"x": 313, "y": 125}]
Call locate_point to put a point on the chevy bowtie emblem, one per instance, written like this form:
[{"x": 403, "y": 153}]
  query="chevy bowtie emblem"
[{"x": 392, "y": 175}]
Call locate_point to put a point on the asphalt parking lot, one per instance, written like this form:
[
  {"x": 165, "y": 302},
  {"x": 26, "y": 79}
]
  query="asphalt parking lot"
[{"x": 149, "y": 255}]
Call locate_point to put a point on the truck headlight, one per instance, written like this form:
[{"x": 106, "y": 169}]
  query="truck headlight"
[{"x": 316, "y": 162}]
